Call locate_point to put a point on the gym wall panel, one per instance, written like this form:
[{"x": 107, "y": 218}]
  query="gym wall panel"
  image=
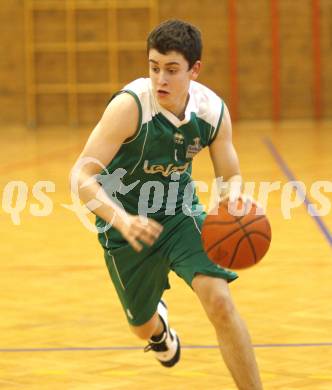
[
  {"x": 296, "y": 59},
  {"x": 12, "y": 59},
  {"x": 326, "y": 56},
  {"x": 211, "y": 17},
  {"x": 254, "y": 59},
  {"x": 94, "y": 49}
]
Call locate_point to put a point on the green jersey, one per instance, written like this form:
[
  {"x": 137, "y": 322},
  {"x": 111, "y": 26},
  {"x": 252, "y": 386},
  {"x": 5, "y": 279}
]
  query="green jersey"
[{"x": 155, "y": 164}]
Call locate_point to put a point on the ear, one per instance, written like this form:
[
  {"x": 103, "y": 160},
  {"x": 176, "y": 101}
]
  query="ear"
[{"x": 196, "y": 68}]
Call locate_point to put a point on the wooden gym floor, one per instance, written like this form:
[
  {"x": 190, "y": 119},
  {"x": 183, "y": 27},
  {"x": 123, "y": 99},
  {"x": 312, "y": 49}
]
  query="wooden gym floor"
[{"x": 61, "y": 324}]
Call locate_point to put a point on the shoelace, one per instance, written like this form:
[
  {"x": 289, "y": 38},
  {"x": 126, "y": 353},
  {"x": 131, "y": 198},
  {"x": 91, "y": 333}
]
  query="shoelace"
[{"x": 158, "y": 346}]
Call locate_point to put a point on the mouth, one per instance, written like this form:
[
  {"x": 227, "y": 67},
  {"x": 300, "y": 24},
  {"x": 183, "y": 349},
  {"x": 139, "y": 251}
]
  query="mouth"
[{"x": 162, "y": 93}]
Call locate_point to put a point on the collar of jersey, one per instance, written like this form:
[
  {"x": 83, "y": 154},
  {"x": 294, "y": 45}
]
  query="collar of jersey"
[{"x": 173, "y": 118}]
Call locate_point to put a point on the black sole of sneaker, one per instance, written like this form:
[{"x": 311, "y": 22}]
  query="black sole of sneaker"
[{"x": 175, "y": 359}]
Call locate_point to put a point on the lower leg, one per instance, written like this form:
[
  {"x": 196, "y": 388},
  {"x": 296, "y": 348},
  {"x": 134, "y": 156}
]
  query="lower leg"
[
  {"x": 153, "y": 327},
  {"x": 232, "y": 334},
  {"x": 163, "y": 340},
  {"x": 237, "y": 351}
]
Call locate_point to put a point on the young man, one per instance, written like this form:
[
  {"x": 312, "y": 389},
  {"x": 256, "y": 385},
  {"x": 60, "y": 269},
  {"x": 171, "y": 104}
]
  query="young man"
[{"x": 147, "y": 138}]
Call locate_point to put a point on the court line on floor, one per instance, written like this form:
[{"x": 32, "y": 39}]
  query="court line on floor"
[
  {"x": 132, "y": 348},
  {"x": 289, "y": 174}
]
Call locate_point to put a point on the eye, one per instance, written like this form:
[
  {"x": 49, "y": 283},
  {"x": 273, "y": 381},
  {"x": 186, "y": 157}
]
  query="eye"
[
  {"x": 172, "y": 71},
  {"x": 154, "y": 69}
]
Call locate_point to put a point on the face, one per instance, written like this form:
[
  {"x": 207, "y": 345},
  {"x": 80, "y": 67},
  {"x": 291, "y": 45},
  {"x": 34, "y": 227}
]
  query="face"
[{"x": 170, "y": 79}]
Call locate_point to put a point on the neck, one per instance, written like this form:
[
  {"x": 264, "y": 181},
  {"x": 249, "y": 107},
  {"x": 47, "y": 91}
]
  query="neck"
[{"x": 179, "y": 111}]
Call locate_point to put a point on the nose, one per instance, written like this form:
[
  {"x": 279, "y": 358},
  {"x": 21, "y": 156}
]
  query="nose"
[{"x": 162, "y": 80}]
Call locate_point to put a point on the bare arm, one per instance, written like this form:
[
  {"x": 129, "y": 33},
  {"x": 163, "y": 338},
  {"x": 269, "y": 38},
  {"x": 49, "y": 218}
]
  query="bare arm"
[
  {"x": 225, "y": 160},
  {"x": 118, "y": 123}
]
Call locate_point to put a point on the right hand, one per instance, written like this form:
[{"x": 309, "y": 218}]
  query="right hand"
[{"x": 136, "y": 228}]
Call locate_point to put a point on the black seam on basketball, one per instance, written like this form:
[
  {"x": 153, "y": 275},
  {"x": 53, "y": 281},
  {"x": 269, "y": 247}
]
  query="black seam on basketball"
[
  {"x": 220, "y": 222},
  {"x": 259, "y": 233},
  {"x": 246, "y": 235},
  {"x": 235, "y": 251},
  {"x": 232, "y": 232},
  {"x": 211, "y": 223},
  {"x": 237, "y": 218},
  {"x": 242, "y": 238},
  {"x": 250, "y": 242}
]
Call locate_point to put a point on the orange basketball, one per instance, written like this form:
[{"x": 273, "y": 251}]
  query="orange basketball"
[{"x": 234, "y": 240}]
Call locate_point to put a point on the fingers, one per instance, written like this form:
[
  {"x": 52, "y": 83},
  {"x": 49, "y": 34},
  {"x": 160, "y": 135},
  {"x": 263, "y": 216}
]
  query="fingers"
[
  {"x": 231, "y": 190},
  {"x": 243, "y": 208},
  {"x": 143, "y": 230},
  {"x": 155, "y": 228},
  {"x": 237, "y": 208},
  {"x": 135, "y": 244}
]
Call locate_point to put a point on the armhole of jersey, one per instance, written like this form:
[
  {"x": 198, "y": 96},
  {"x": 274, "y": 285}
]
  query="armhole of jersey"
[
  {"x": 139, "y": 125},
  {"x": 216, "y": 131}
]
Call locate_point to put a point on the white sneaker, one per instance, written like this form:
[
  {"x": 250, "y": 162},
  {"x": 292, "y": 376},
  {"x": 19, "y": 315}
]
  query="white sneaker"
[{"x": 167, "y": 349}]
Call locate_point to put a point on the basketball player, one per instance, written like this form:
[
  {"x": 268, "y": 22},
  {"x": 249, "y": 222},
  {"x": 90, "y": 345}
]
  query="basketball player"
[{"x": 152, "y": 129}]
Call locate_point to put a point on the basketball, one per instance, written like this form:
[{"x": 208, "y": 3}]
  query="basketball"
[{"x": 236, "y": 240}]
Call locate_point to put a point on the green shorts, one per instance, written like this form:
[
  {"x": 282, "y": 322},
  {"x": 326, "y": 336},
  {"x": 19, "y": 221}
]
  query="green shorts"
[{"x": 140, "y": 278}]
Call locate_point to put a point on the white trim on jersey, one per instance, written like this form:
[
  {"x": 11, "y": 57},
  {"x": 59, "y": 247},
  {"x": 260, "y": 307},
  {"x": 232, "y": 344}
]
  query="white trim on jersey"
[
  {"x": 202, "y": 101},
  {"x": 116, "y": 269}
]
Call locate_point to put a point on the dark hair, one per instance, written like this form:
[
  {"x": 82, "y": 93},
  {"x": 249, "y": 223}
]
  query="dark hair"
[{"x": 176, "y": 35}]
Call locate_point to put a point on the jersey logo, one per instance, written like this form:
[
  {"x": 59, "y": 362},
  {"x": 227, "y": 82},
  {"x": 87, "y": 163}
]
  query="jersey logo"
[
  {"x": 165, "y": 170},
  {"x": 178, "y": 138},
  {"x": 192, "y": 150}
]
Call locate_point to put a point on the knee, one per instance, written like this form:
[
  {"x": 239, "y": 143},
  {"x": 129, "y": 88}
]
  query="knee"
[{"x": 220, "y": 309}]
